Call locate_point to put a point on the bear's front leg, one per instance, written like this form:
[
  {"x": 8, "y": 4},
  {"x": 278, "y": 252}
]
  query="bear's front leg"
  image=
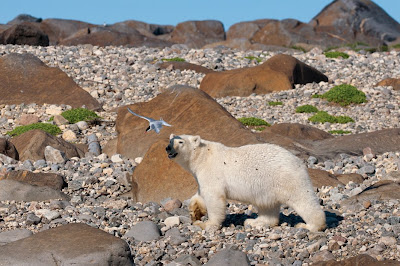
[
  {"x": 215, "y": 205},
  {"x": 197, "y": 207}
]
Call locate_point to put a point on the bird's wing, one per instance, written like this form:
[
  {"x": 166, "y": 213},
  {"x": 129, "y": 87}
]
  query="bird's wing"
[
  {"x": 164, "y": 123},
  {"x": 147, "y": 118}
]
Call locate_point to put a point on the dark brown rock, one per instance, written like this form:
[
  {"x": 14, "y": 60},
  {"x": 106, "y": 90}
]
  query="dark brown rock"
[
  {"x": 298, "y": 132},
  {"x": 22, "y": 191},
  {"x": 26, "y": 79},
  {"x": 104, "y": 36},
  {"x": 395, "y": 83},
  {"x": 71, "y": 244},
  {"x": 23, "y": 18},
  {"x": 321, "y": 178},
  {"x": 362, "y": 259},
  {"x": 30, "y": 145},
  {"x": 280, "y": 72},
  {"x": 149, "y": 30},
  {"x": 157, "y": 177},
  {"x": 59, "y": 29},
  {"x": 196, "y": 34},
  {"x": 382, "y": 190},
  {"x": 357, "y": 20},
  {"x": 26, "y": 33},
  {"x": 346, "y": 178},
  {"x": 8, "y": 148},
  {"x": 380, "y": 141},
  {"x": 184, "y": 66},
  {"x": 51, "y": 180},
  {"x": 189, "y": 111}
]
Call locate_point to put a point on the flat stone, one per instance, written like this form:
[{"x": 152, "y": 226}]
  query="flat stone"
[
  {"x": 13, "y": 235},
  {"x": 229, "y": 257},
  {"x": 144, "y": 231}
]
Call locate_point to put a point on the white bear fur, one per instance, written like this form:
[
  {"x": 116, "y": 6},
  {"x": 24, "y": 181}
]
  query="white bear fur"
[{"x": 264, "y": 175}]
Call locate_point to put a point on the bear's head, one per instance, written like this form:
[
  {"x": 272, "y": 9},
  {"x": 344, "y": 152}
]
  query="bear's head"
[{"x": 181, "y": 148}]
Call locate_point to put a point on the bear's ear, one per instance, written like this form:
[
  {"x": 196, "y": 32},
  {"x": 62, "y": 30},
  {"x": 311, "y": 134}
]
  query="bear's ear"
[
  {"x": 195, "y": 140},
  {"x": 171, "y": 136}
]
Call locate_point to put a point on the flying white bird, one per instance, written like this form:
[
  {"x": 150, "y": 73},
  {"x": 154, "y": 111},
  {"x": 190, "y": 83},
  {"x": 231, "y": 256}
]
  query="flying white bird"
[{"x": 155, "y": 125}]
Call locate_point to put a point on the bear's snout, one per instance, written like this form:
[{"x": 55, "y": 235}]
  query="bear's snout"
[{"x": 171, "y": 151}]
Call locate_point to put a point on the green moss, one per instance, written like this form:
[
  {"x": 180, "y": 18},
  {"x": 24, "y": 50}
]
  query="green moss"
[
  {"x": 51, "y": 119},
  {"x": 175, "y": 59},
  {"x": 336, "y": 55},
  {"x": 79, "y": 114},
  {"x": 396, "y": 46},
  {"x": 49, "y": 128},
  {"x": 260, "y": 128},
  {"x": 323, "y": 117},
  {"x": 316, "y": 96},
  {"x": 253, "y": 121},
  {"x": 258, "y": 59},
  {"x": 306, "y": 109},
  {"x": 339, "y": 131},
  {"x": 298, "y": 48},
  {"x": 344, "y": 95},
  {"x": 275, "y": 103}
]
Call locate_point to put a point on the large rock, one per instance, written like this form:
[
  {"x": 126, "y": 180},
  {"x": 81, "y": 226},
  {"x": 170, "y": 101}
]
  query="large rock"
[
  {"x": 59, "y": 29},
  {"x": 357, "y": 20},
  {"x": 26, "y": 79},
  {"x": 51, "y": 180},
  {"x": 382, "y": 190},
  {"x": 196, "y": 34},
  {"x": 395, "y": 83},
  {"x": 26, "y": 33},
  {"x": 21, "y": 191},
  {"x": 71, "y": 244},
  {"x": 23, "y": 18},
  {"x": 106, "y": 35},
  {"x": 7, "y": 148},
  {"x": 31, "y": 145},
  {"x": 380, "y": 141},
  {"x": 157, "y": 177},
  {"x": 321, "y": 178},
  {"x": 13, "y": 235},
  {"x": 148, "y": 30},
  {"x": 362, "y": 259},
  {"x": 189, "y": 111},
  {"x": 278, "y": 73},
  {"x": 297, "y": 132},
  {"x": 184, "y": 66}
]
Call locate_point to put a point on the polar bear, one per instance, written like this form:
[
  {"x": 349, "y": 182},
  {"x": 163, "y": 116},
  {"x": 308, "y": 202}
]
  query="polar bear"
[{"x": 264, "y": 175}]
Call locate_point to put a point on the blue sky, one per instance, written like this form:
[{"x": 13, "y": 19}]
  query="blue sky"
[{"x": 171, "y": 12}]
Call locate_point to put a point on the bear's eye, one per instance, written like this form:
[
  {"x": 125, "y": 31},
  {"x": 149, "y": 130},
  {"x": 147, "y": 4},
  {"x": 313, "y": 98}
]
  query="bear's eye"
[{"x": 180, "y": 142}]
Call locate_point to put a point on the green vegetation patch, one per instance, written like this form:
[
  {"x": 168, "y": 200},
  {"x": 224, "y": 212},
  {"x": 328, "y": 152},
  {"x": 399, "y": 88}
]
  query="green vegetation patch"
[
  {"x": 344, "y": 95},
  {"x": 340, "y": 131},
  {"x": 396, "y": 46},
  {"x": 323, "y": 117},
  {"x": 298, "y": 48},
  {"x": 275, "y": 103},
  {"x": 175, "y": 59},
  {"x": 253, "y": 121},
  {"x": 258, "y": 59},
  {"x": 336, "y": 55},
  {"x": 49, "y": 128},
  {"x": 79, "y": 114},
  {"x": 306, "y": 109}
]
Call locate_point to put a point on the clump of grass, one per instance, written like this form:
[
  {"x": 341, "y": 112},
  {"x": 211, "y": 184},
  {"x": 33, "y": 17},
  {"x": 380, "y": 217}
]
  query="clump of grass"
[
  {"x": 323, "y": 117},
  {"x": 396, "y": 46},
  {"x": 79, "y": 114},
  {"x": 253, "y": 121},
  {"x": 175, "y": 59},
  {"x": 306, "y": 109},
  {"x": 344, "y": 95},
  {"x": 316, "y": 96},
  {"x": 336, "y": 55},
  {"x": 274, "y": 103},
  {"x": 49, "y": 128},
  {"x": 260, "y": 128},
  {"x": 340, "y": 131},
  {"x": 258, "y": 59}
]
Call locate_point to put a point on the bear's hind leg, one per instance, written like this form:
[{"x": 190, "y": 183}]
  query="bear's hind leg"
[
  {"x": 266, "y": 217},
  {"x": 197, "y": 207}
]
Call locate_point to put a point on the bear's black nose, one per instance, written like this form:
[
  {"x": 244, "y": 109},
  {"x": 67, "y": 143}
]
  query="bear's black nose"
[{"x": 168, "y": 148}]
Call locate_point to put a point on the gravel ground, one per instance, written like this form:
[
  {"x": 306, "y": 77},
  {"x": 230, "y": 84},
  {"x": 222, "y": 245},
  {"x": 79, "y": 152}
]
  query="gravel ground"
[{"x": 118, "y": 76}]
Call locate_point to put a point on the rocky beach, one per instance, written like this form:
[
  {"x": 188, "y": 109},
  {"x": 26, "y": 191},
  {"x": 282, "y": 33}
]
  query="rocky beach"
[{"x": 102, "y": 191}]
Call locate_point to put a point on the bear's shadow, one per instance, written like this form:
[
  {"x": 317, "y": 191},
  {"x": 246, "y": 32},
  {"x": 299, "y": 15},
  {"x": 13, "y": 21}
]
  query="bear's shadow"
[{"x": 332, "y": 219}]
